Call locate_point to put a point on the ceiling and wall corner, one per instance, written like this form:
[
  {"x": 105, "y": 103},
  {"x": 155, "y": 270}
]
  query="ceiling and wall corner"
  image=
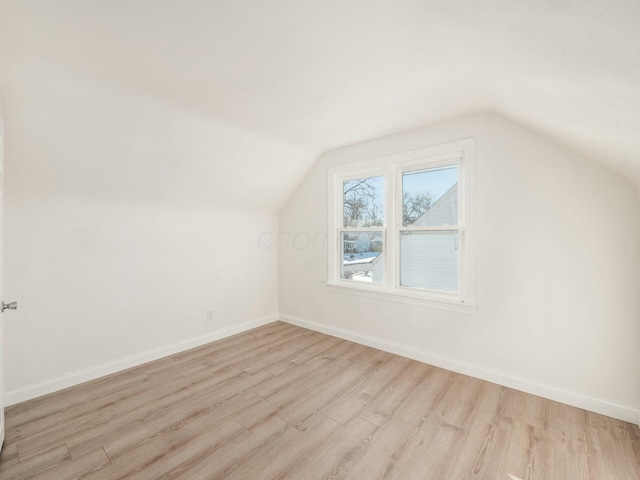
[{"x": 324, "y": 75}]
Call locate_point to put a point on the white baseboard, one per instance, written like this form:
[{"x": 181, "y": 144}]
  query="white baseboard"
[
  {"x": 586, "y": 402},
  {"x": 71, "y": 379}
]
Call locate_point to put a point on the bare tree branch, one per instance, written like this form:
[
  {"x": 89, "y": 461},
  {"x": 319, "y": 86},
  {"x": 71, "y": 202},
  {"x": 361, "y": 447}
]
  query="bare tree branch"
[
  {"x": 414, "y": 205},
  {"x": 362, "y": 208}
]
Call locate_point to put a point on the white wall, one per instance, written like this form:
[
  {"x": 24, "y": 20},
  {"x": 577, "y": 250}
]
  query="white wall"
[
  {"x": 558, "y": 270},
  {"x": 98, "y": 282},
  {"x": 126, "y": 218}
]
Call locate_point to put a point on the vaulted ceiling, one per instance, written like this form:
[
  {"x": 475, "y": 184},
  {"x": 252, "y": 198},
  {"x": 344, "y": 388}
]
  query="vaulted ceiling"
[{"x": 276, "y": 82}]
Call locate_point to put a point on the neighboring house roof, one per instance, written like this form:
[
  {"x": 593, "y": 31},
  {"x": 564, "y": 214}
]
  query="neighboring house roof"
[
  {"x": 378, "y": 258},
  {"x": 442, "y": 211}
]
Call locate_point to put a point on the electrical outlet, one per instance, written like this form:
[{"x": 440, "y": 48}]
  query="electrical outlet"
[{"x": 209, "y": 315}]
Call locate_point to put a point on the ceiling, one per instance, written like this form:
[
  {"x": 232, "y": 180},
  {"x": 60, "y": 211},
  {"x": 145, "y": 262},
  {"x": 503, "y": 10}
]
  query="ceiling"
[{"x": 309, "y": 76}]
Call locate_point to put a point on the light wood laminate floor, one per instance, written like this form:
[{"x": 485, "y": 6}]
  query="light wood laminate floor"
[{"x": 284, "y": 402}]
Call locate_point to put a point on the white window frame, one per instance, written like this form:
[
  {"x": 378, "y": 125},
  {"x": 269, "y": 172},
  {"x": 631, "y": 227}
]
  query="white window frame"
[
  {"x": 362, "y": 173},
  {"x": 460, "y": 153}
]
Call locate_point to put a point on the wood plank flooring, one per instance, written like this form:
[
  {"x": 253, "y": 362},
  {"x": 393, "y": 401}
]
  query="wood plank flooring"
[{"x": 284, "y": 402}]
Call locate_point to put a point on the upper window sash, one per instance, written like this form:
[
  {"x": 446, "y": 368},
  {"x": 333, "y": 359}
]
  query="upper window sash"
[
  {"x": 368, "y": 173},
  {"x": 447, "y": 160}
]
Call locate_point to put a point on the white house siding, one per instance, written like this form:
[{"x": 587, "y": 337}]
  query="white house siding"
[
  {"x": 443, "y": 212},
  {"x": 378, "y": 268},
  {"x": 429, "y": 260}
]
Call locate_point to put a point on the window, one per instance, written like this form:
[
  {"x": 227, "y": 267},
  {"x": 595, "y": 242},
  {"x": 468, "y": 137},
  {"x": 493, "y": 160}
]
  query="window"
[
  {"x": 402, "y": 226},
  {"x": 361, "y": 236}
]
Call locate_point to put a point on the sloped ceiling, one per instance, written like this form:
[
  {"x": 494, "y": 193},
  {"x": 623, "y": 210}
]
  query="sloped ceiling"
[{"x": 283, "y": 80}]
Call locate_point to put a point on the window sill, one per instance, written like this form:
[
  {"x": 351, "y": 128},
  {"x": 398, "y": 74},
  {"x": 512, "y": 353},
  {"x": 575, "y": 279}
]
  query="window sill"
[{"x": 410, "y": 298}]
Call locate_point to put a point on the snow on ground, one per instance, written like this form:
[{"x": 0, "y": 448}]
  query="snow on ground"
[
  {"x": 363, "y": 257},
  {"x": 361, "y": 277}
]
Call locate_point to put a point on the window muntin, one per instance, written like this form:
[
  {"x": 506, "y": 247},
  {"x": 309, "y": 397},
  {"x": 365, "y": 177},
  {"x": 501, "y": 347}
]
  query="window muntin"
[
  {"x": 363, "y": 202},
  {"x": 430, "y": 197}
]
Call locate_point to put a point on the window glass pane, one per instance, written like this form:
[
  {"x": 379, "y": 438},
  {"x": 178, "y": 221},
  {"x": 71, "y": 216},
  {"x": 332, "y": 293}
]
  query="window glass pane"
[
  {"x": 362, "y": 257},
  {"x": 363, "y": 201},
  {"x": 430, "y": 197},
  {"x": 429, "y": 260}
]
